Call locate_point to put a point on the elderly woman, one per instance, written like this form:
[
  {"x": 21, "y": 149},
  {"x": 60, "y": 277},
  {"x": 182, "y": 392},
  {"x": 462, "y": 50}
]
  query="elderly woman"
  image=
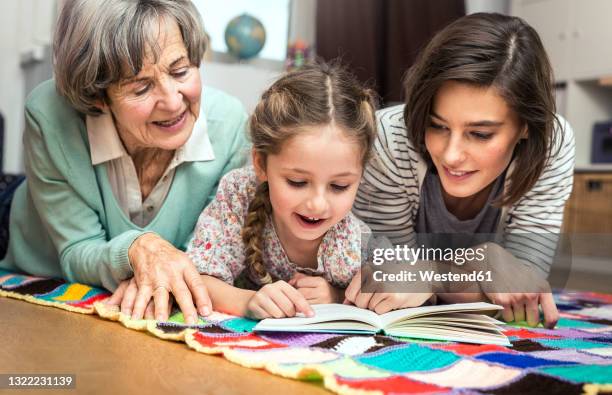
[{"x": 123, "y": 150}]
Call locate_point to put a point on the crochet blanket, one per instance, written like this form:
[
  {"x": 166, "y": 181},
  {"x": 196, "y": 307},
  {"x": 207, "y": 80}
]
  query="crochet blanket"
[{"x": 574, "y": 358}]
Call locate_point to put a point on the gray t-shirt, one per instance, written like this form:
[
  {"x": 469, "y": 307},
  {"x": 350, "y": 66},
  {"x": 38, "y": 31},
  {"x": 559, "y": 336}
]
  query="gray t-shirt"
[{"x": 433, "y": 217}]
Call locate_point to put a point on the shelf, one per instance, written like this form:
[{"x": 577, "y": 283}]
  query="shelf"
[{"x": 594, "y": 168}]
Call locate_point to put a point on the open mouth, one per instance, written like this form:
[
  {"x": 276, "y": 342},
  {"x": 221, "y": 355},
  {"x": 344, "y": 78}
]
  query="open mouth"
[
  {"x": 310, "y": 221},
  {"x": 172, "y": 122}
]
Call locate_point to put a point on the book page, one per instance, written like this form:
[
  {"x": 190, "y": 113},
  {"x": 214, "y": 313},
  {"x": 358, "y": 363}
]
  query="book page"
[
  {"x": 452, "y": 334},
  {"x": 443, "y": 323},
  {"x": 327, "y": 313},
  {"x": 415, "y": 312},
  {"x": 479, "y": 319}
]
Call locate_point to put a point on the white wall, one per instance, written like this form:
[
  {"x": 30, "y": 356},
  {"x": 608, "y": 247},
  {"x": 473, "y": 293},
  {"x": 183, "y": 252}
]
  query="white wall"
[
  {"x": 273, "y": 14},
  {"x": 244, "y": 81},
  {"x": 25, "y": 30},
  {"x": 501, "y": 6},
  {"x": 11, "y": 83},
  {"x": 248, "y": 79}
]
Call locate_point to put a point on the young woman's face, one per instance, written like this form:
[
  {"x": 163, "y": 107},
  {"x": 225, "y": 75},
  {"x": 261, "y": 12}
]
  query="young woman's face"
[
  {"x": 313, "y": 181},
  {"x": 159, "y": 106},
  {"x": 471, "y": 137}
]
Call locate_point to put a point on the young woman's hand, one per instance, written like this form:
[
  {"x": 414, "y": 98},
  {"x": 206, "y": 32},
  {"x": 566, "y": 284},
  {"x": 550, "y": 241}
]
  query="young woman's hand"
[
  {"x": 316, "y": 289},
  {"x": 382, "y": 302},
  {"x": 526, "y": 307},
  {"x": 519, "y": 288},
  {"x": 277, "y": 300}
]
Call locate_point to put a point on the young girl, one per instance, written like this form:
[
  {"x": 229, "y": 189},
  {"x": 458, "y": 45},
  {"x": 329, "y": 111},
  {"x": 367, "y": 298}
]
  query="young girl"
[
  {"x": 477, "y": 148},
  {"x": 285, "y": 224}
]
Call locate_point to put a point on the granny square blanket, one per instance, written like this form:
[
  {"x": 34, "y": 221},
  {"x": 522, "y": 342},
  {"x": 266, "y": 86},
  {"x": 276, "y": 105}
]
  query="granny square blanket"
[{"x": 573, "y": 358}]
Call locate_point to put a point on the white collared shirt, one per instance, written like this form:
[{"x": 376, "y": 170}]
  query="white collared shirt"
[{"x": 106, "y": 147}]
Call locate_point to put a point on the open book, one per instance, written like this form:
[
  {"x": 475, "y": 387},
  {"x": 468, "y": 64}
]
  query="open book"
[{"x": 462, "y": 322}]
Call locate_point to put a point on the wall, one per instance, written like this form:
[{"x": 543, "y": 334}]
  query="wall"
[
  {"x": 248, "y": 79},
  {"x": 25, "y": 31},
  {"x": 244, "y": 81},
  {"x": 501, "y": 6}
]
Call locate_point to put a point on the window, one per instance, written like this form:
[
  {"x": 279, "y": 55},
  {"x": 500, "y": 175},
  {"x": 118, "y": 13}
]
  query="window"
[{"x": 273, "y": 14}]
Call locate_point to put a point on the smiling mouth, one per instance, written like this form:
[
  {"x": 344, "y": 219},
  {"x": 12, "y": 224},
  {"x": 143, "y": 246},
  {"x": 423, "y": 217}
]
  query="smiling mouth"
[
  {"x": 458, "y": 173},
  {"x": 310, "y": 220},
  {"x": 172, "y": 122}
]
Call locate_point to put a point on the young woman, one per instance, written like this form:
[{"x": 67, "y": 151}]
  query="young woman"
[{"x": 477, "y": 148}]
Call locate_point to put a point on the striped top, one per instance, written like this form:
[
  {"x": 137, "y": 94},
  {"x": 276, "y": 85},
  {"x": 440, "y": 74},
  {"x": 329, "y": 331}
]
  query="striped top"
[{"x": 388, "y": 197}]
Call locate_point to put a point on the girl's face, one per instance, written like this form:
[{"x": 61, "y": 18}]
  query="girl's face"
[
  {"x": 159, "y": 106},
  {"x": 313, "y": 181},
  {"x": 471, "y": 137}
]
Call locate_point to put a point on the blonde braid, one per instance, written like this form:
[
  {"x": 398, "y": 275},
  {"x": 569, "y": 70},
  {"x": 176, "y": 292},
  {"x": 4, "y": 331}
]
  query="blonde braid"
[
  {"x": 257, "y": 216},
  {"x": 312, "y": 96}
]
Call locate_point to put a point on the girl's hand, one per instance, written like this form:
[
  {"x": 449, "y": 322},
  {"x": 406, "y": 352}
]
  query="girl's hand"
[
  {"x": 526, "y": 306},
  {"x": 316, "y": 289},
  {"x": 160, "y": 270},
  {"x": 382, "y": 302},
  {"x": 277, "y": 300}
]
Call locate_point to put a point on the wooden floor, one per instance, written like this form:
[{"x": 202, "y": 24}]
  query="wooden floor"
[{"x": 110, "y": 359}]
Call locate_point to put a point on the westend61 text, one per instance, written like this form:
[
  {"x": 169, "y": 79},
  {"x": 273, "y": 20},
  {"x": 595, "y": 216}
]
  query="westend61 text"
[{"x": 431, "y": 275}]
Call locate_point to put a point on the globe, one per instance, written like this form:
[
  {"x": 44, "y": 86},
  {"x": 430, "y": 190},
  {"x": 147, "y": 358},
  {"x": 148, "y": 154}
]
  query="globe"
[{"x": 245, "y": 36}]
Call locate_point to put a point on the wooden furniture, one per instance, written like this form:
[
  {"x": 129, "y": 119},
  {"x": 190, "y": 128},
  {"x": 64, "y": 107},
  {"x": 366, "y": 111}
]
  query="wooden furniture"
[
  {"x": 588, "y": 211},
  {"x": 110, "y": 359}
]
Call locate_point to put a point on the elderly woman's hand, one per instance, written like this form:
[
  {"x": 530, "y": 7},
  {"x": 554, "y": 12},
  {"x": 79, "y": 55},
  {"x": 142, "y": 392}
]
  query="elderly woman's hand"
[
  {"x": 125, "y": 295},
  {"x": 161, "y": 269}
]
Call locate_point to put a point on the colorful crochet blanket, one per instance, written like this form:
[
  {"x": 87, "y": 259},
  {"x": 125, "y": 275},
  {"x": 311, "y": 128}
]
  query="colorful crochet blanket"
[{"x": 574, "y": 358}]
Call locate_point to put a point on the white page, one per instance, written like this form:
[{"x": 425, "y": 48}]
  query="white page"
[
  {"x": 403, "y": 314},
  {"x": 453, "y": 317},
  {"x": 327, "y": 312},
  {"x": 445, "y": 324},
  {"x": 435, "y": 333}
]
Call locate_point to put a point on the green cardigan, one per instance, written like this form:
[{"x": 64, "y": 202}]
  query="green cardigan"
[{"x": 65, "y": 221}]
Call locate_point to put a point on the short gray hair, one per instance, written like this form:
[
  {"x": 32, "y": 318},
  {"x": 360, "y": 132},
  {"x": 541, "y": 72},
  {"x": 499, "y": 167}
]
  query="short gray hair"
[{"x": 98, "y": 43}]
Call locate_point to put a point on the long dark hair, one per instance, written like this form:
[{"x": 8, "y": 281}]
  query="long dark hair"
[{"x": 488, "y": 49}]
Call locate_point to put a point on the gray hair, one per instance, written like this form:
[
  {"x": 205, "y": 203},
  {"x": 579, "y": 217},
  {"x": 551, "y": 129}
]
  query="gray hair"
[{"x": 98, "y": 43}]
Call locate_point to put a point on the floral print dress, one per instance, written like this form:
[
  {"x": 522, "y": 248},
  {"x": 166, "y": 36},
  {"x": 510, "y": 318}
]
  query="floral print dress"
[{"x": 217, "y": 248}]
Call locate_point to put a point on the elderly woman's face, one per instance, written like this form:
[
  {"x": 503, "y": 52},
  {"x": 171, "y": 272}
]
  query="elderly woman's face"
[{"x": 158, "y": 107}]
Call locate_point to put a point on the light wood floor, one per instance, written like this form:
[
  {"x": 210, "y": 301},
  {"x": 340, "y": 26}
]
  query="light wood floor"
[{"x": 110, "y": 359}]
